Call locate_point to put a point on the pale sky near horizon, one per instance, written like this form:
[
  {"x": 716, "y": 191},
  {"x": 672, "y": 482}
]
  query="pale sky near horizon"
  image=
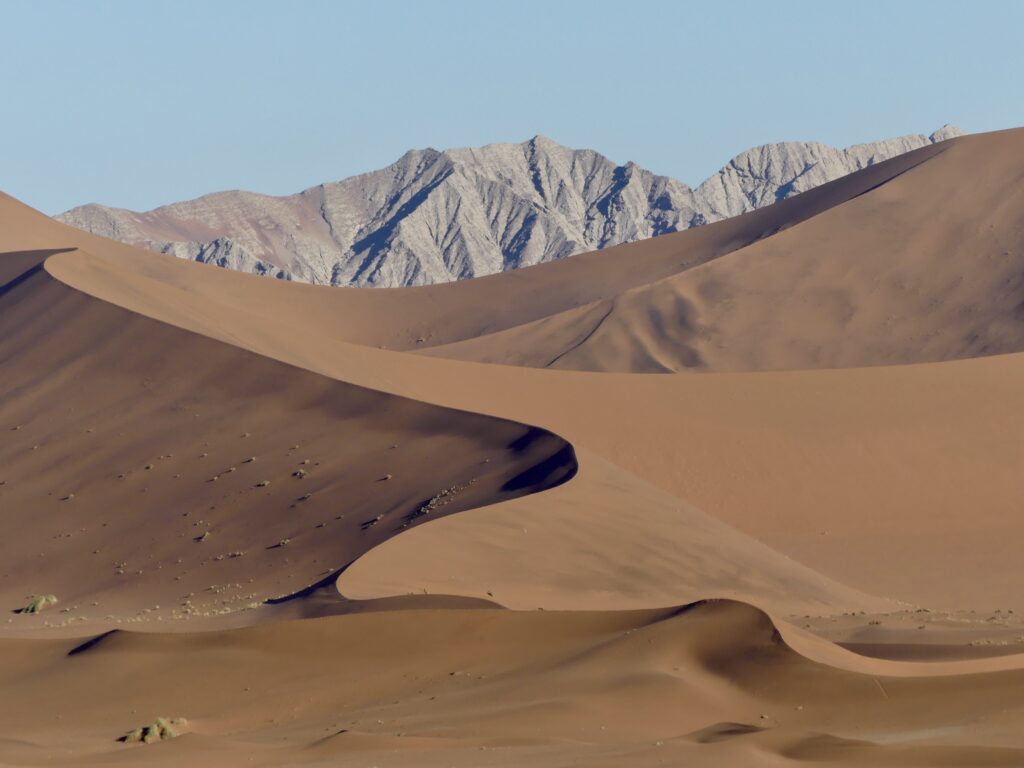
[{"x": 138, "y": 104}]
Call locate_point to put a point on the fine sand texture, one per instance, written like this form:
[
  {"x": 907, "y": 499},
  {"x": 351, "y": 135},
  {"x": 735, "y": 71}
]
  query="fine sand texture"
[{"x": 745, "y": 495}]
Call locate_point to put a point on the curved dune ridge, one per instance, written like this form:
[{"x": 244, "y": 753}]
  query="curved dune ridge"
[
  {"x": 161, "y": 474},
  {"x": 208, "y": 457}
]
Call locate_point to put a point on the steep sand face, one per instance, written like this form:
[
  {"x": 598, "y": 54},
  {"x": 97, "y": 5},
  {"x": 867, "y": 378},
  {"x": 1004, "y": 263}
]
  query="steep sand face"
[
  {"x": 131, "y": 380},
  {"x": 148, "y": 472}
]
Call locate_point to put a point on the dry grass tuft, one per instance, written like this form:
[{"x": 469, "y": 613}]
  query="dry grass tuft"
[{"x": 161, "y": 729}]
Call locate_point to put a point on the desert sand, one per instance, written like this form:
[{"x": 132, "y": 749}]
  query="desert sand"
[{"x": 743, "y": 495}]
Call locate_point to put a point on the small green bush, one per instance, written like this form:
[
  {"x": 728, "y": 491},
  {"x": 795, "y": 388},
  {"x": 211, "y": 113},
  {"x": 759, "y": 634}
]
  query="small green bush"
[{"x": 38, "y": 603}]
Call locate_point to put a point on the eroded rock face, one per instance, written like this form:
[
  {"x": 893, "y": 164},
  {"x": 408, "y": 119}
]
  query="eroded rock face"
[
  {"x": 435, "y": 216},
  {"x": 764, "y": 175}
]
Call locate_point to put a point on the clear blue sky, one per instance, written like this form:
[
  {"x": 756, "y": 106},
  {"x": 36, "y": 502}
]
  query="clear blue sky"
[{"x": 137, "y": 104}]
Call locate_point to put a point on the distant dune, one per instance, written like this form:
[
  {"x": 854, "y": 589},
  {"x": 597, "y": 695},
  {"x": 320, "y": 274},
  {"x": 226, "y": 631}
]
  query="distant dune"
[{"x": 463, "y": 524}]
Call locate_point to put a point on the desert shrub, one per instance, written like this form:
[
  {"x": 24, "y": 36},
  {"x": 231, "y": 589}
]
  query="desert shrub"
[
  {"x": 159, "y": 730},
  {"x": 38, "y": 603}
]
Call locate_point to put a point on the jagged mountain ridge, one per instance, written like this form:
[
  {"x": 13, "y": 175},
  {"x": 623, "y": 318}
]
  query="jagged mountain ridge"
[{"x": 435, "y": 216}]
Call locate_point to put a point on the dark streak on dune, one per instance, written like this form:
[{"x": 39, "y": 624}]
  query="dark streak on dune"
[{"x": 92, "y": 642}]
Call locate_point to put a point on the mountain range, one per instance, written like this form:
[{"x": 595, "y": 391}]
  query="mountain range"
[{"x": 437, "y": 216}]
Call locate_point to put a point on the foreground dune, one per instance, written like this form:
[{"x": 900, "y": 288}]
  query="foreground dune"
[
  {"x": 228, "y": 464},
  {"x": 707, "y": 685}
]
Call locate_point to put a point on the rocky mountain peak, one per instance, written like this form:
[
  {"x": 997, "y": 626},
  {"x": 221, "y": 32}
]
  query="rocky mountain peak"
[
  {"x": 948, "y": 131},
  {"x": 439, "y": 215}
]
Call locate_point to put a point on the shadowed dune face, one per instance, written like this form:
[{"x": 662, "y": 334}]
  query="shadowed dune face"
[{"x": 150, "y": 471}]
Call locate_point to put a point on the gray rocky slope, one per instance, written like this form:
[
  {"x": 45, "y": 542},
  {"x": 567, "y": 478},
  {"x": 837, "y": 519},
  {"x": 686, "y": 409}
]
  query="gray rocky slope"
[{"x": 437, "y": 216}]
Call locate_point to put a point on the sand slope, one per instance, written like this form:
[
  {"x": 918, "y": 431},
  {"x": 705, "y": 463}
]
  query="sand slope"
[
  {"x": 707, "y": 685},
  {"x": 134, "y": 456}
]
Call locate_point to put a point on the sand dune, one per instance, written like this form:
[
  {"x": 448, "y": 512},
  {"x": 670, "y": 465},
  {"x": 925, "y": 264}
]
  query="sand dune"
[
  {"x": 214, "y": 459},
  {"x": 866, "y": 475},
  {"x": 149, "y": 471},
  {"x": 499, "y": 688},
  {"x": 605, "y": 541},
  {"x": 924, "y": 267}
]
